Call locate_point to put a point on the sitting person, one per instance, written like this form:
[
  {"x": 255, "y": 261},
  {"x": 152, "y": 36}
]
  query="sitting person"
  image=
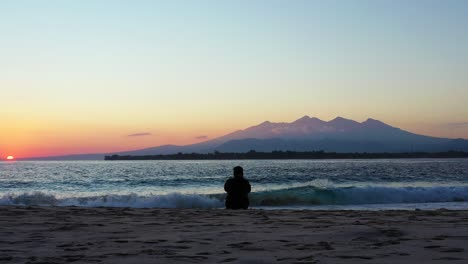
[{"x": 238, "y": 189}]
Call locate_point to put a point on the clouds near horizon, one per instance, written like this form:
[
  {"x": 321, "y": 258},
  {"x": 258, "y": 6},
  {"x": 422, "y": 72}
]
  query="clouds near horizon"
[{"x": 142, "y": 134}]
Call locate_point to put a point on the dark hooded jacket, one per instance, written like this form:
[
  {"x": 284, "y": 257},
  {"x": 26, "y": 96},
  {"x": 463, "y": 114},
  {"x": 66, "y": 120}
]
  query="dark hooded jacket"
[{"x": 238, "y": 189}]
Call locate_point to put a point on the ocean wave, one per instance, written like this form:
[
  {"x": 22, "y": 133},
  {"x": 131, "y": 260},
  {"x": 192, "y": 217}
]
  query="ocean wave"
[
  {"x": 294, "y": 196},
  {"x": 312, "y": 195},
  {"x": 172, "y": 200}
]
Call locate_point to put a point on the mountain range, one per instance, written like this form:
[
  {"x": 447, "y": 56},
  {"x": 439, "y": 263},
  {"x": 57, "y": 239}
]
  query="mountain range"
[{"x": 306, "y": 134}]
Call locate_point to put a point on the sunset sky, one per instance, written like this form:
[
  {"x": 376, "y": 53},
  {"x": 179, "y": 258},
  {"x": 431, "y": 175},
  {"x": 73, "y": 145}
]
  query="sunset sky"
[{"x": 100, "y": 76}]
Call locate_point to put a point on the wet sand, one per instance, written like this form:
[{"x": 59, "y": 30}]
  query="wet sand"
[{"x": 123, "y": 235}]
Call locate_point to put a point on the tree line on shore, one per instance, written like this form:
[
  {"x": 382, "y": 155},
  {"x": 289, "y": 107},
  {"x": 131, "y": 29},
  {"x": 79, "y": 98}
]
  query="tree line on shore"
[{"x": 252, "y": 155}]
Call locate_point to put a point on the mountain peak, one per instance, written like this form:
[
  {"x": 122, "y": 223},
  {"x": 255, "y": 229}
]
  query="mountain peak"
[
  {"x": 302, "y": 119},
  {"x": 341, "y": 119},
  {"x": 370, "y": 122},
  {"x": 307, "y": 120},
  {"x": 263, "y": 125},
  {"x": 342, "y": 124}
]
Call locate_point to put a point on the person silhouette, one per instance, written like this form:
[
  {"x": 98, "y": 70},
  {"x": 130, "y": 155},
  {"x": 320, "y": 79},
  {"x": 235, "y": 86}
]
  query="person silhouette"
[{"x": 238, "y": 189}]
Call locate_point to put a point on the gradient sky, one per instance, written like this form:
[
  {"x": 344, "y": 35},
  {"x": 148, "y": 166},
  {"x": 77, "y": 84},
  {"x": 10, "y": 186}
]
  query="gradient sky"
[{"x": 81, "y": 76}]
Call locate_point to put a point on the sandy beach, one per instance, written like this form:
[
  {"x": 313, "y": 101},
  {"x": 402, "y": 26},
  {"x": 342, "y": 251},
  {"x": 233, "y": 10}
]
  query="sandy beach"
[{"x": 125, "y": 235}]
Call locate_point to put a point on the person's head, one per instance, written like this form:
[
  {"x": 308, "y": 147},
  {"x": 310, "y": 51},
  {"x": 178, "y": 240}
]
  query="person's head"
[{"x": 238, "y": 172}]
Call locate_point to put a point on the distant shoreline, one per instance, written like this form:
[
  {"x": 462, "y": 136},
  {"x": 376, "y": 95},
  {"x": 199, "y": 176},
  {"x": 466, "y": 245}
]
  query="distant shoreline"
[{"x": 283, "y": 155}]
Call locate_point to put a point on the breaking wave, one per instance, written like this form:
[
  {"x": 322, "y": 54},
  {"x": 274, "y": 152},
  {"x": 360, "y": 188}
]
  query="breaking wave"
[
  {"x": 310, "y": 195},
  {"x": 296, "y": 196},
  {"x": 173, "y": 200}
]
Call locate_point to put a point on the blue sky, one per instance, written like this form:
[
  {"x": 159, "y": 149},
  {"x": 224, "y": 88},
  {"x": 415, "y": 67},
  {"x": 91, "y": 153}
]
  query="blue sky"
[{"x": 181, "y": 69}]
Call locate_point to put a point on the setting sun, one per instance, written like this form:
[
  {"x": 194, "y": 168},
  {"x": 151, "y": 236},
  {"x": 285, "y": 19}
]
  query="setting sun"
[{"x": 10, "y": 158}]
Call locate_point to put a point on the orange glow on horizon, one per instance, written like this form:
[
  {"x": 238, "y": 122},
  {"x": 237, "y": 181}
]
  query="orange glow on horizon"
[
  {"x": 10, "y": 158},
  {"x": 75, "y": 137}
]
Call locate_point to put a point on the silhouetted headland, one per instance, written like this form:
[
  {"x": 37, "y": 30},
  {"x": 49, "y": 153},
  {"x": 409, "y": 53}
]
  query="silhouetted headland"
[{"x": 254, "y": 155}]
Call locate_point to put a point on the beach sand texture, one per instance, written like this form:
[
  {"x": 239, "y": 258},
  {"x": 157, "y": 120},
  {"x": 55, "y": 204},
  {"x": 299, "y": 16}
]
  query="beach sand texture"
[{"x": 126, "y": 235}]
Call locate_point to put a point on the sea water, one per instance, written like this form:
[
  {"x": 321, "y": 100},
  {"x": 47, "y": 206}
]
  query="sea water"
[{"x": 294, "y": 184}]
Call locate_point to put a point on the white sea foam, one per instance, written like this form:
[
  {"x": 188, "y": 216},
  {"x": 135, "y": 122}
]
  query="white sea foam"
[{"x": 172, "y": 200}]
